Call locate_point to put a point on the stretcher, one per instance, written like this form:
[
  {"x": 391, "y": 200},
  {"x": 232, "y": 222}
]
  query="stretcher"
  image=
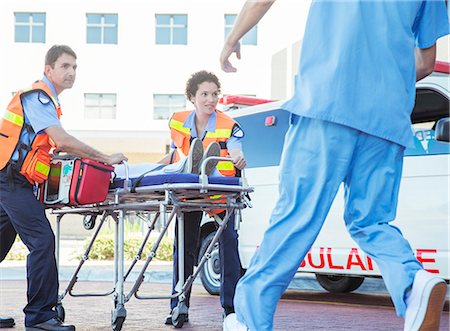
[{"x": 163, "y": 197}]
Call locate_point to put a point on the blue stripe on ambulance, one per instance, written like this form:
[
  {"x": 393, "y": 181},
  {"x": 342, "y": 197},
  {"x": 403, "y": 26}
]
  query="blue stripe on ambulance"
[{"x": 263, "y": 145}]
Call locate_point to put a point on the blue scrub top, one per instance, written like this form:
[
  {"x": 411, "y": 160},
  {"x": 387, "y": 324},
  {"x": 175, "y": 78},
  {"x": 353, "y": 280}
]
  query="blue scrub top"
[
  {"x": 357, "y": 66},
  {"x": 39, "y": 112}
]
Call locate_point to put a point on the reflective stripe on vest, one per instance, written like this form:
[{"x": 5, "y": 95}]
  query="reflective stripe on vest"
[
  {"x": 177, "y": 125},
  {"x": 219, "y": 133},
  {"x": 13, "y": 118},
  {"x": 42, "y": 168}
]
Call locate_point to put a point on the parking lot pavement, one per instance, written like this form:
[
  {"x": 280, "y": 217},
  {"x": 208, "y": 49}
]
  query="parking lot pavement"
[{"x": 298, "y": 310}]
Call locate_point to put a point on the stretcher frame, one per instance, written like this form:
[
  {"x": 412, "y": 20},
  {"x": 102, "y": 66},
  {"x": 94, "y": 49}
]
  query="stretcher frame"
[{"x": 159, "y": 200}]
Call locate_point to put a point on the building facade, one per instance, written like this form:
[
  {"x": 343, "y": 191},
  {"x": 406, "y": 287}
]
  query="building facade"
[{"x": 134, "y": 58}]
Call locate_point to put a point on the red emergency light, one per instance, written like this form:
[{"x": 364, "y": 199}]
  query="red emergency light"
[
  {"x": 242, "y": 100},
  {"x": 443, "y": 67}
]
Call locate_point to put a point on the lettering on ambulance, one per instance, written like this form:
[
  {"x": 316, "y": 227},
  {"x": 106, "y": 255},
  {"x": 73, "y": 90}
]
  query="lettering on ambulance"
[
  {"x": 424, "y": 136},
  {"x": 324, "y": 260},
  {"x": 353, "y": 260},
  {"x": 423, "y": 260}
]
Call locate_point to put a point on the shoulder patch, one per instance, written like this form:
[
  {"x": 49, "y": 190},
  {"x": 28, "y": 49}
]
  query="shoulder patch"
[
  {"x": 236, "y": 131},
  {"x": 43, "y": 98}
]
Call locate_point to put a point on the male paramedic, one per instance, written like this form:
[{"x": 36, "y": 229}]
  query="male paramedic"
[
  {"x": 350, "y": 123},
  {"x": 29, "y": 129},
  {"x": 220, "y": 135}
]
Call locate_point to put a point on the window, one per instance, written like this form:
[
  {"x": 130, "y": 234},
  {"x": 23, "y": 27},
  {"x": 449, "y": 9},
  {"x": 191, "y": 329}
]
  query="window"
[
  {"x": 171, "y": 29},
  {"x": 101, "y": 28},
  {"x": 164, "y": 105},
  {"x": 99, "y": 106},
  {"x": 250, "y": 38},
  {"x": 29, "y": 27}
]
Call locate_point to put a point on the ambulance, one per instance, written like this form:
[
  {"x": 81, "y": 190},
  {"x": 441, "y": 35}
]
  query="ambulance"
[{"x": 336, "y": 260}]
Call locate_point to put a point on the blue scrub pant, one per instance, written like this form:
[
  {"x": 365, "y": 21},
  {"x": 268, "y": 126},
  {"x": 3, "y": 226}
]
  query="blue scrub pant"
[
  {"x": 230, "y": 264},
  {"x": 21, "y": 213},
  {"x": 317, "y": 157}
]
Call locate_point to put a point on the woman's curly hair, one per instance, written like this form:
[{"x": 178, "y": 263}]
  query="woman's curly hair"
[{"x": 196, "y": 79}]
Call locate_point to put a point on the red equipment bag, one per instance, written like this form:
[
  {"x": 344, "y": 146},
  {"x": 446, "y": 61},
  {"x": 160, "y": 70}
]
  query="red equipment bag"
[
  {"x": 90, "y": 182},
  {"x": 74, "y": 181}
]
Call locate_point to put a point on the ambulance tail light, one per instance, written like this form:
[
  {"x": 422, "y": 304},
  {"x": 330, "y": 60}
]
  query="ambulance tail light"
[
  {"x": 237, "y": 101},
  {"x": 443, "y": 67}
]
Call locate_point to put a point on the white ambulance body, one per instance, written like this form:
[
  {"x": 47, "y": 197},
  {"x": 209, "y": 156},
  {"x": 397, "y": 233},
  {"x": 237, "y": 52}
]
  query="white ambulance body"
[{"x": 423, "y": 209}]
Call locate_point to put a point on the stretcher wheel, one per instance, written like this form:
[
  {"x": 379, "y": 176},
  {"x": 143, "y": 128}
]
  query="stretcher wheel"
[
  {"x": 179, "y": 321},
  {"x": 89, "y": 221},
  {"x": 117, "y": 324},
  {"x": 179, "y": 316},
  {"x": 60, "y": 312},
  {"x": 118, "y": 316}
]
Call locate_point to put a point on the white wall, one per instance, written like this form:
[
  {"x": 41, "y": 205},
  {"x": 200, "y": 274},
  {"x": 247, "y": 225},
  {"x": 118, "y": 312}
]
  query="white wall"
[{"x": 136, "y": 68}]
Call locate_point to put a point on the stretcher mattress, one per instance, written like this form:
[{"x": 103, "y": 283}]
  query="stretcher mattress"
[{"x": 179, "y": 178}]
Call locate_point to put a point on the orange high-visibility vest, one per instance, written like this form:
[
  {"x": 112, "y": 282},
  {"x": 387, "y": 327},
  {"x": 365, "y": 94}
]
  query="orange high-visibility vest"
[
  {"x": 34, "y": 159},
  {"x": 181, "y": 137}
]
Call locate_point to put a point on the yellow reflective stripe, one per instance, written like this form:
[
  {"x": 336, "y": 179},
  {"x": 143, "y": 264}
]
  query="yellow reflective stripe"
[
  {"x": 219, "y": 133},
  {"x": 177, "y": 125},
  {"x": 225, "y": 165},
  {"x": 42, "y": 168},
  {"x": 212, "y": 197},
  {"x": 13, "y": 118}
]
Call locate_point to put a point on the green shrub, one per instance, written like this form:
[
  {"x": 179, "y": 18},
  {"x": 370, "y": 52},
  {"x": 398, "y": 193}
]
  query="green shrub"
[{"x": 103, "y": 248}]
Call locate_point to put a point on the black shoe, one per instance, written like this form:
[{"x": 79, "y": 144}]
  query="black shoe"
[
  {"x": 6, "y": 322},
  {"x": 54, "y": 324},
  {"x": 168, "y": 320}
]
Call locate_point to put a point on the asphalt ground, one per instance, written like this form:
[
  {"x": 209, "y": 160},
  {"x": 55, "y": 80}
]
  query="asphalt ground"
[{"x": 298, "y": 309}]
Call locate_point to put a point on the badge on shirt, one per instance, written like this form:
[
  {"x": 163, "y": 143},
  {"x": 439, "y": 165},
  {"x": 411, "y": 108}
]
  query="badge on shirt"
[
  {"x": 43, "y": 98},
  {"x": 236, "y": 131}
]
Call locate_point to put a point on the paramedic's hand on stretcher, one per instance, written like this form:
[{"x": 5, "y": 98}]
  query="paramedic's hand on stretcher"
[
  {"x": 238, "y": 159},
  {"x": 116, "y": 158},
  {"x": 71, "y": 145}
]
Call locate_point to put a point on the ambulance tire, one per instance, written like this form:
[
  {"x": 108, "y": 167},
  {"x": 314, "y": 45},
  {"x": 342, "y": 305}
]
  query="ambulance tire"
[
  {"x": 339, "y": 284},
  {"x": 210, "y": 273}
]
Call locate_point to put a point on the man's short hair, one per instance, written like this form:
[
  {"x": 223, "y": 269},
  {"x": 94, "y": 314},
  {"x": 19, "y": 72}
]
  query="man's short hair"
[{"x": 55, "y": 52}]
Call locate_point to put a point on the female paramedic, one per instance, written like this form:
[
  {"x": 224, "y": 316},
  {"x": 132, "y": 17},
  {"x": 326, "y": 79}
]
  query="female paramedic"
[{"x": 217, "y": 131}]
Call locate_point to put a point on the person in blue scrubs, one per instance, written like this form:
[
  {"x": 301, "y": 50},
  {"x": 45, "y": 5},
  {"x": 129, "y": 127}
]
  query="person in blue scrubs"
[
  {"x": 21, "y": 213},
  {"x": 350, "y": 124}
]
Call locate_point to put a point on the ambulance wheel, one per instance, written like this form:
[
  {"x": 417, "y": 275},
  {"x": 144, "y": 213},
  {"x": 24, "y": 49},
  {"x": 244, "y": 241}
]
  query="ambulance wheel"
[
  {"x": 89, "y": 221},
  {"x": 339, "y": 284},
  {"x": 210, "y": 273},
  {"x": 60, "y": 312}
]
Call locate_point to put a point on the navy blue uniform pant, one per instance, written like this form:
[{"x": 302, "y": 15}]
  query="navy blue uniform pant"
[
  {"x": 21, "y": 213},
  {"x": 230, "y": 264}
]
